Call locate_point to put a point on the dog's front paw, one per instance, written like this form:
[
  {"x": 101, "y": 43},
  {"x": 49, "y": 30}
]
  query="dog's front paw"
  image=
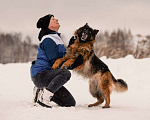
[
  {"x": 54, "y": 67},
  {"x": 64, "y": 66},
  {"x": 57, "y": 64}
]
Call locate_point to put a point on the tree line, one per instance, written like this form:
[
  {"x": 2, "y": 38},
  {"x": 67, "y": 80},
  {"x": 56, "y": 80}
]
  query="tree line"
[
  {"x": 115, "y": 44},
  {"x": 120, "y": 43},
  {"x": 13, "y": 49}
]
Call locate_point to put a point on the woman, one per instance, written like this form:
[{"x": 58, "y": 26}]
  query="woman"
[{"x": 49, "y": 83}]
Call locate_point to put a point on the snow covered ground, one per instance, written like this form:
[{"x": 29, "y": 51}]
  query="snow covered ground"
[{"x": 16, "y": 94}]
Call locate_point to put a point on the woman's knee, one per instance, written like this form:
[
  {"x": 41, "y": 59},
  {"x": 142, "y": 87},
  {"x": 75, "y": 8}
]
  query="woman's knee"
[{"x": 66, "y": 74}]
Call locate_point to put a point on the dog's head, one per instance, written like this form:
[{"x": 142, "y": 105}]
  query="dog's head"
[{"x": 86, "y": 34}]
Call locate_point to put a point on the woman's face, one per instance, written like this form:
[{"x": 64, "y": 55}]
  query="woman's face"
[{"x": 54, "y": 24}]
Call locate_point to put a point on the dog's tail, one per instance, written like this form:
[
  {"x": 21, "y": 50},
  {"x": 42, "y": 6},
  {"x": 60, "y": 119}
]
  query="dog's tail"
[{"x": 120, "y": 85}]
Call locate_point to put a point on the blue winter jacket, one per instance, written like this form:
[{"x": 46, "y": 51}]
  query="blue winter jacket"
[{"x": 51, "y": 48}]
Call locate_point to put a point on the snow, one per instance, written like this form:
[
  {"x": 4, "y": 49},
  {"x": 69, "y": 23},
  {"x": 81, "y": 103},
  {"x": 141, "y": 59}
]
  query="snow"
[{"x": 16, "y": 94}]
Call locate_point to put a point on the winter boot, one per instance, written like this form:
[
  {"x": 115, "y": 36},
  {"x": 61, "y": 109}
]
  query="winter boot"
[
  {"x": 37, "y": 93},
  {"x": 45, "y": 97}
]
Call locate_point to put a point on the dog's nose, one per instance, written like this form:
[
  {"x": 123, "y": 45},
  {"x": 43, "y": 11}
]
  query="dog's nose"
[{"x": 85, "y": 32}]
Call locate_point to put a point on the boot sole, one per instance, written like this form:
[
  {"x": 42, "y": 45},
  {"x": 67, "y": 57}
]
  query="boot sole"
[{"x": 42, "y": 104}]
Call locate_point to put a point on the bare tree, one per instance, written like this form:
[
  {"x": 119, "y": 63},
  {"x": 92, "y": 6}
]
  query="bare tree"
[{"x": 13, "y": 49}]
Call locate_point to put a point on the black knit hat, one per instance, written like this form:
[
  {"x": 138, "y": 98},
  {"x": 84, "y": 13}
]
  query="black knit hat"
[{"x": 43, "y": 22}]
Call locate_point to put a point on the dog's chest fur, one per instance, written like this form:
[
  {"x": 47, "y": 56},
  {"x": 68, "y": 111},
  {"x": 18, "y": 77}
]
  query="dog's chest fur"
[
  {"x": 86, "y": 70},
  {"x": 94, "y": 78}
]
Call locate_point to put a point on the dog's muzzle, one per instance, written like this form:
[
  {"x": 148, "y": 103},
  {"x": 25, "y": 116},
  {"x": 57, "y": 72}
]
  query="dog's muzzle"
[{"x": 84, "y": 36}]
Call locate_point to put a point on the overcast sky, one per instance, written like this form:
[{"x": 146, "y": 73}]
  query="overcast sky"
[{"x": 22, "y": 15}]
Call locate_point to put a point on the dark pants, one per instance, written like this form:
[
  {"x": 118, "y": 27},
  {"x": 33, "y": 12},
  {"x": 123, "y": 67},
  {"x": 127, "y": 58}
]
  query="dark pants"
[{"x": 53, "y": 80}]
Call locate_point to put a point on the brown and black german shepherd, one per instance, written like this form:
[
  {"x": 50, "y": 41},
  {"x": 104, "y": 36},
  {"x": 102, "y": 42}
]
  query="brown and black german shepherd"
[{"x": 101, "y": 80}]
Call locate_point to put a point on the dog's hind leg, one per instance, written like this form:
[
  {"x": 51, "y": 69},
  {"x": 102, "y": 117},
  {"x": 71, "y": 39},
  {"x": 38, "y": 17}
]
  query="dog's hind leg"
[
  {"x": 106, "y": 88},
  {"x": 100, "y": 100},
  {"x": 107, "y": 98},
  {"x": 106, "y": 93}
]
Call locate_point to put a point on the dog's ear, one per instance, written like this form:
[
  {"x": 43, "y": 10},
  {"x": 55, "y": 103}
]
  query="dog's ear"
[
  {"x": 95, "y": 32},
  {"x": 86, "y": 24}
]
